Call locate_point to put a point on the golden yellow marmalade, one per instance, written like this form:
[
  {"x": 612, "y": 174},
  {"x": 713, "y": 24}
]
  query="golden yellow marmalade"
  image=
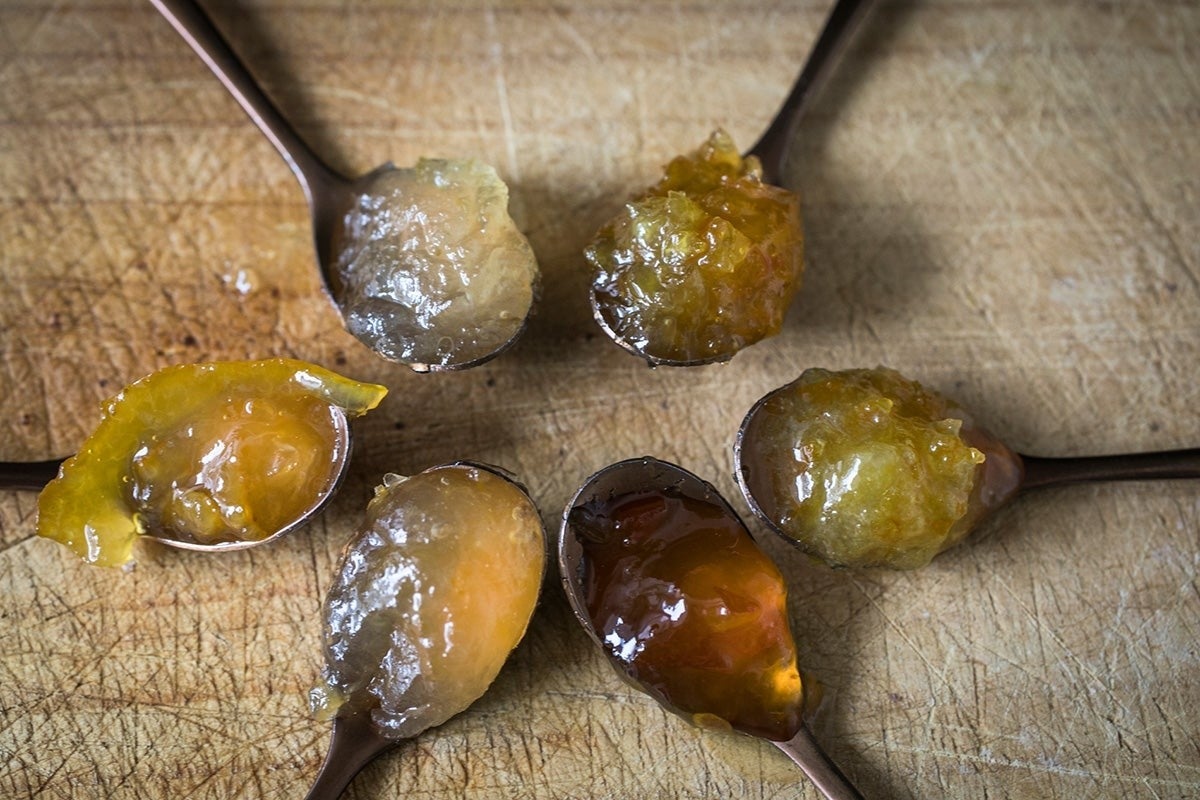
[
  {"x": 204, "y": 453},
  {"x": 430, "y": 598}
]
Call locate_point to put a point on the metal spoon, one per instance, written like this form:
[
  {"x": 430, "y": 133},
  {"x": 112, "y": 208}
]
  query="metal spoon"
[
  {"x": 34, "y": 475},
  {"x": 28, "y": 476},
  {"x": 776, "y": 142},
  {"x": 1162, "y": 465},
  {"x": 772, "y": 148},
  {"x": 354, "y": 744},
  {"x": 651, "y": 474},
  {"x": 356, "y": 737},
  {"x": 330, "y": 195},
  {"x": 1006, "y": 475}
]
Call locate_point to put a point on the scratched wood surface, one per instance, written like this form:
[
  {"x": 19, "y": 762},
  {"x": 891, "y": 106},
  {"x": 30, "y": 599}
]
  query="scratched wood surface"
[{"x": 1001, "y": 200}]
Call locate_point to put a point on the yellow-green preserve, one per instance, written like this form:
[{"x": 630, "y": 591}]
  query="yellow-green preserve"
[
  {"x": 704, "y": 263},
  {"x": 865, "y": 467}
]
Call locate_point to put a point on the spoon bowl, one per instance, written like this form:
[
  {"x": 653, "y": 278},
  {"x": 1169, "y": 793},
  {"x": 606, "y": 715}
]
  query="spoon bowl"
[
  {"x": 342, "y": 450},
  {"x": 641, "y": 268},
  {"x": 636, "y": 476},
  {"x": 335, "y": 201},
  {"x": 34, "y": 475},
  {"x": 816, "y": 461}
]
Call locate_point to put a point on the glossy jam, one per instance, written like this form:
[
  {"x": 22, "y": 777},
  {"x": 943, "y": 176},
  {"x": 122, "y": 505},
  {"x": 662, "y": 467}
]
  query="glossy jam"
[
  {"x": 430, "y": 598},
  {"x": 867, "y": 468},
  {"x": 704, "y": 263},
  {"x": 204, "y": 453},
  {"x": 691, "y": 610},
  {"x": 431, "y": 270}
]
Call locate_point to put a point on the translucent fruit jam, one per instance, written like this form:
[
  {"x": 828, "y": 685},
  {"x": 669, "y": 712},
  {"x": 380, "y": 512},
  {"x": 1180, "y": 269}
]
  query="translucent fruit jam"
[
  {"x": 204, "y": 453},
  {"x": 430, "y": 598},
  {"x": 690, "y": 609},
  {"x": 431, "y": 270},
  {"x": 704, "y": 263},
  {"x": 866, "y": 468}
]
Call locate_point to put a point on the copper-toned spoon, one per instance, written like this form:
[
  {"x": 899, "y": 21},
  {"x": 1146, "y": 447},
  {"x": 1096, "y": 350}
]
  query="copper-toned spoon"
[
  {"x": 34, "y": 475},
  {"x": 356, "y": 741},
  {"x": 1163, "y": 465},
  {"x": 28, "y": 476},
  {"x": 626, "y": 313},
  {"x": 774, "y": 146},
  {"x": 333, "y": 196},
  {"x": 817, "y": 473},
  {"x": 648, "y": 477}
]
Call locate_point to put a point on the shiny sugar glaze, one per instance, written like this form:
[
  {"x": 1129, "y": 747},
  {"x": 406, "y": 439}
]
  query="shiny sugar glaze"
[
  {"x": 431, "y": 596},
  {"x": 690, "y": 609},
  {"x": 205, "y": 453},
  {"x": 431, "y": 270},
  {"x": 703, "y": 264},
  {"x": 866, "y": 468}
]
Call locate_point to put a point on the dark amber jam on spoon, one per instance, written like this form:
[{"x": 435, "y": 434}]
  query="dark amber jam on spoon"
[{"x": 682, "y": 598}]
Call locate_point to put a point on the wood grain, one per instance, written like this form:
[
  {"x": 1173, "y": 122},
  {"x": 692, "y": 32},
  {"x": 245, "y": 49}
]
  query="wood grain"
[{"x": 1000, "y": 201}]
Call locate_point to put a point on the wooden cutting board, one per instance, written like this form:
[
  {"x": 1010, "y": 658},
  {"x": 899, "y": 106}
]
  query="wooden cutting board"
[{"x": 1001, "y": 201}]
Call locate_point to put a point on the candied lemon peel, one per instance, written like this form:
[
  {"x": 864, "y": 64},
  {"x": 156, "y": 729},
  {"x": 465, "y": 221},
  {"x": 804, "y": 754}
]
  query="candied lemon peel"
[
  {"x": 167, "y": 449},
  {"x": 701, "y": 265}
]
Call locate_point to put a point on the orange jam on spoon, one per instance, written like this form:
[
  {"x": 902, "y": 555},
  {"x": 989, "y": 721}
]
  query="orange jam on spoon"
[
  {"x": 204, "y": 454},
  {"x": 431, "y": 596},
  {"x": 702, "y": 264}
]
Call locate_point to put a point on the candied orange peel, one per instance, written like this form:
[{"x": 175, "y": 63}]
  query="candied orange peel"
[{"x": 227, "y": 451}]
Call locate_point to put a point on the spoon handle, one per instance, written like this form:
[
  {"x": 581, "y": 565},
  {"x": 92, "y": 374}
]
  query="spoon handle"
[
  {"x": 825, "y": 775},
  {"x": 190, "y": 21},
  {"x": 28, "y": 475},
  {"x": 1169, "y": 464},
  {"x": 353, "y": 744},
  {"x": 772, "y": 148}
]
